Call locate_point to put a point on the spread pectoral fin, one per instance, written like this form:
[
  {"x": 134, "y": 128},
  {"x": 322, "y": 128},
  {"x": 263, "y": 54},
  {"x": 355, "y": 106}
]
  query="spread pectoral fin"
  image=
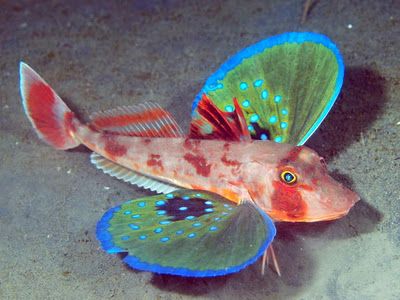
[
  {"x": 285, "y": 86},
  {"x": 186, "y": 233}
]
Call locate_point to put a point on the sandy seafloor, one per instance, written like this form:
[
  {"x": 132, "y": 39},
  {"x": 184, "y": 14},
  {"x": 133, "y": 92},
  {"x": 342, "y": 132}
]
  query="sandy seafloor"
[{"x": 100, "y": 54}]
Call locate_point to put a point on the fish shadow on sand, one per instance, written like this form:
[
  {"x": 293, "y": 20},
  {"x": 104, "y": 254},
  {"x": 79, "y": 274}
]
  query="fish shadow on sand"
[
  {"x": 360, "y": 103},
  {"x": 247, "y": 283},
  {"x": 296, "y": 265},
  {"x": 294, "y": 254}
]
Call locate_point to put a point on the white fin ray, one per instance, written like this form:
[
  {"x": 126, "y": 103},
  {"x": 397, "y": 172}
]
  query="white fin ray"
[
  {"x": 160, "y": 125},
  {"x": 130, "y": 176}
]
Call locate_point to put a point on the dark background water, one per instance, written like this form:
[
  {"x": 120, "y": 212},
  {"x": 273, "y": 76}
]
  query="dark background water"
[{"x": 103, "y": 54}]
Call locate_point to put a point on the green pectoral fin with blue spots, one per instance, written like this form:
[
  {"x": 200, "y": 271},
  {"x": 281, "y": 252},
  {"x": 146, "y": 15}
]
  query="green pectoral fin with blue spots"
[
  {"x": 186, "y": 233},
  {"x": 285, "y": 85}
]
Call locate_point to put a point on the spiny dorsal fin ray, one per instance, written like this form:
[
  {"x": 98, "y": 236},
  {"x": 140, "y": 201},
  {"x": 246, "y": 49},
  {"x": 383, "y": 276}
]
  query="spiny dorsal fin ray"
[
  {"x": 122, "y": 173},
  {"x": 213, "y": 123},
  {"x": 146, "y": 120}
]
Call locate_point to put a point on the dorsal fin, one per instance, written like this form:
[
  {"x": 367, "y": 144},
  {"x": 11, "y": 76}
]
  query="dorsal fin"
[
  {"x": 127, "y": 175},
  {"x": 210, "y": 122},
  {"x": 146, "y": 120}
]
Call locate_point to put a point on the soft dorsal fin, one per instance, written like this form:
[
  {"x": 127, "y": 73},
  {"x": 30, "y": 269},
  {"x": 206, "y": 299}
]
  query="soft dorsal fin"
[
  {"x": 127, "y": 175},
  {"x": 210, "y": 122},
  {"x": 146, "y": 120}
]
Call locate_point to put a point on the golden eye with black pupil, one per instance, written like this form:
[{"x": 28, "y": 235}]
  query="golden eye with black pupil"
[{"x": 288, "y": 177}]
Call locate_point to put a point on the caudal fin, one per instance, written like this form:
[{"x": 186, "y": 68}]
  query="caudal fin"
[{"x": 49, "y": 115}]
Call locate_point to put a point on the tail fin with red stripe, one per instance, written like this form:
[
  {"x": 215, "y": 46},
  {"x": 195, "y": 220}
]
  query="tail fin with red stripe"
[{"x": 50, "y": 116}]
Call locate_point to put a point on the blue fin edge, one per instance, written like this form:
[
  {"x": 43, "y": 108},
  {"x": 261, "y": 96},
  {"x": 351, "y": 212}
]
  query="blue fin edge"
[
  {"x": 291, "y": 37},
  {"x": 105, "y": 239}
]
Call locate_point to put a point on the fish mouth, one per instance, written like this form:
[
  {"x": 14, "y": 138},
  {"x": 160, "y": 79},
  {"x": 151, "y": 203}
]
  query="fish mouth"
[
  {"x": 336, "y": 201},
  {"x": 313, "y": 219},
  {"x": 330, "y": 214},
  {"x": 320, "y": 217},
  {"x": 330, "y": 217},
  {"x": 351, "y": 201}
]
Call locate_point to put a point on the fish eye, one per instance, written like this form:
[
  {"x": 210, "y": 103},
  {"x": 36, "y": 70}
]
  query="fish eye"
[{"x": 288, "y": 177}]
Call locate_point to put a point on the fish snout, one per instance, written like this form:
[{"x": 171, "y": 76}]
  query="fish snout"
[
  {"x": 349, "y": 198},
  {"x": 338, "y": 198}
]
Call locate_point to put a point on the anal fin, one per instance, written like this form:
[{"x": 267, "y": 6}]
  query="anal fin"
[{"x": 127, "y": 175}]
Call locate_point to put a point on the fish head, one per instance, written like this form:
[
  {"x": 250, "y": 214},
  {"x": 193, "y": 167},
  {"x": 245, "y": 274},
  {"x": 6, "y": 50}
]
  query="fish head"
[{"x": 303, "y": 191}]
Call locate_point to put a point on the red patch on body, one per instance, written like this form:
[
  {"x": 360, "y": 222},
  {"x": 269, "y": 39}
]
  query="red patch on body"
[
  {"x": 235, "y": 164},
  {"x": 113, "y": 148},
  {"x": 229, "y": 162},
  {"x": 154, "y": 161},
  {"x": 191, "y": 145},
  {"x": 199, "y": 163},
  {"x": 287, "y": 203},
  {"x": 292, "y": 155}
]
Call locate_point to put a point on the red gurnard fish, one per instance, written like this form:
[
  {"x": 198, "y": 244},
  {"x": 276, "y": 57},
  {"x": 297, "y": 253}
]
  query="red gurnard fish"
[
  {"x": 290, "y": 183},
  {"x": 242, "y": 166}
]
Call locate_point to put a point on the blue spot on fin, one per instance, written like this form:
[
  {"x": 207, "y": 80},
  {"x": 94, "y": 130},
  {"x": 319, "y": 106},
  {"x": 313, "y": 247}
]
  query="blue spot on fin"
[
  {"x": 270, "y": 93},
  {"x": 197, "y": 235}
]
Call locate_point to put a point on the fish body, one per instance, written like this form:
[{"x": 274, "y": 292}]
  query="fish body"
[
  {"x": 238, "y": 170},
  {"x": 242, "y": 166},
  {"x": 224, "y": 167},
  {"x": 244, "y": 170}
]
